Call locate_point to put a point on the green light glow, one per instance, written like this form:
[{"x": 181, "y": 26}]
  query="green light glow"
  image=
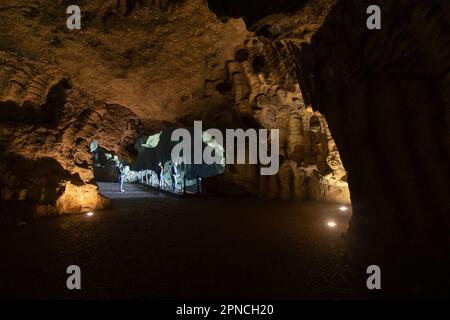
[{"x": 152, "y": 141}]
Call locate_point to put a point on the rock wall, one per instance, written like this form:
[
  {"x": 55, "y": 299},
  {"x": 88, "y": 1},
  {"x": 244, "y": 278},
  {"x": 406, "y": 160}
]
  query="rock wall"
[
  {"x": 262, "y": 82},
  {"x": 47, "y": 127},
  {"x": 131, "y": 70},
  {"x": 136, "y": 67},
  {"x": 385, "y": 95}
]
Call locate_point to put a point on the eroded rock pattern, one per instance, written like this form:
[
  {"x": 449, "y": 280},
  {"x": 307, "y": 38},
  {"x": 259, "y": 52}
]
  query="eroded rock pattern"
[
  {"x": 133, "y": 68},
  {"x": 46, "y": 131},
  {"x": 262, "y": 81},
  {"x": 306, "y": 68},
  {"x": 396, "y": 142},
  {"x": 385, "y": 95}
]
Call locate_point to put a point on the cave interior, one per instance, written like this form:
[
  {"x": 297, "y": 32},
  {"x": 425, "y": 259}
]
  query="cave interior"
[{"x": 363, "y": 115}]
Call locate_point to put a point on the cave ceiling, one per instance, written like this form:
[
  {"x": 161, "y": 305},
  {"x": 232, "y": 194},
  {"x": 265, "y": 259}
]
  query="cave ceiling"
[{"x": 154, "y": 60}]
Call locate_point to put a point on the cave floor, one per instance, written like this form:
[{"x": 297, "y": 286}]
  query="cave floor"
[{"x": 151, "y": 245}]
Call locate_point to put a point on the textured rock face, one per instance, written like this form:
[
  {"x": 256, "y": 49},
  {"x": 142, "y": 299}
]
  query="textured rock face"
[
  {"x": 262, "y": 81},
  {"x": 386, "y": 98},
  {"x": 306, "y": 146},
  {"x": 133, "y": 68},
  {"x": 385, "y": 95},
  {"x": 46, "y": 131},
  {"x": 153, "y": 59}
]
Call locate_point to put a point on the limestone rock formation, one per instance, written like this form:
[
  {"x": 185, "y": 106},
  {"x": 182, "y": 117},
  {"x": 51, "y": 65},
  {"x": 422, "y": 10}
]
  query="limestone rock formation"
[
  {"x": 264, "y": 85},
  {"x": 134, "y": 68},
  {"x": 308, "y": 68},
  {"x": 376, "y": 101},
  {"x": 385, "y": 95},
  {"x": 46, "y": 132}
]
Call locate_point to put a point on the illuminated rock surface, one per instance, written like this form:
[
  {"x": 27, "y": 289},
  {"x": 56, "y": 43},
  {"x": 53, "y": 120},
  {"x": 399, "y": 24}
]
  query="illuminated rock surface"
[
  {"x": 378, "y": 100},
  {"x": 385, "y": 95},
  {"x": 133, "y": 71}
]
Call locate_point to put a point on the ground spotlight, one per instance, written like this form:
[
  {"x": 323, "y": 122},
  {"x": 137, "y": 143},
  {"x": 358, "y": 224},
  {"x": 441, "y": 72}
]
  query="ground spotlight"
[{"x": 331, "y": 224}]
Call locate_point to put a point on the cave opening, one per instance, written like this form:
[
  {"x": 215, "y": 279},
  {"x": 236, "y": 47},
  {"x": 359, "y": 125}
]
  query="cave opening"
[{"x": 155, "y": 167}]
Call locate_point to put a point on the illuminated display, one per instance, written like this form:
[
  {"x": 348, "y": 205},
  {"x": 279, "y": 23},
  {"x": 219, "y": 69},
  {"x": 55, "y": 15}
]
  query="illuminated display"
[{"x": 153, "y": 150}]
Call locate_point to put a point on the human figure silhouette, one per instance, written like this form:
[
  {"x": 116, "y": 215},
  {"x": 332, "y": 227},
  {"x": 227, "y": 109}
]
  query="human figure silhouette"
[
  {"x": 121, "y": 176},
  {"x": 161, "y": 174},
  {"x": 174, "y": 176}
]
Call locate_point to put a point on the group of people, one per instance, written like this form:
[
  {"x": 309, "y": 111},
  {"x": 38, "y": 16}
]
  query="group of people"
[{"x": 173, "y": 174}]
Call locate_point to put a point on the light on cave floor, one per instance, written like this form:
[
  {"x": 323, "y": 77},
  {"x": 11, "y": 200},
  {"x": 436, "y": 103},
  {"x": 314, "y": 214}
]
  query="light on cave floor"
[
  {"x": 90, "y": 214},
  {"x": 343, "y": 208},
  {"x": 331, "y": 224}
]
